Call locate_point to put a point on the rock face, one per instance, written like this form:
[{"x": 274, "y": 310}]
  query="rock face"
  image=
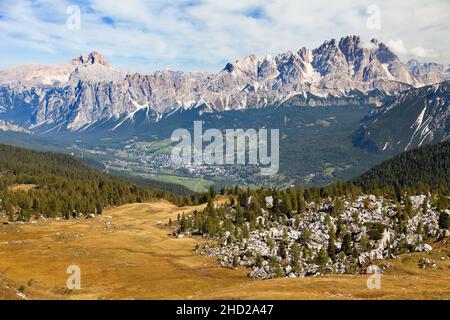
[
  {"x": 413, "y": 118},
  {"x": 74, "y": 95}
]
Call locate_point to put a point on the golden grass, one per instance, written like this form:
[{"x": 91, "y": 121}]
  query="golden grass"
[
  {"x": 22, "y": 187},
  {"x": 135, "y": 258}
]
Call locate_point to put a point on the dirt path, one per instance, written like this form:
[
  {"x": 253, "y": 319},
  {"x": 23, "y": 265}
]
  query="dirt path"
[{"x": 131, "y": 256}]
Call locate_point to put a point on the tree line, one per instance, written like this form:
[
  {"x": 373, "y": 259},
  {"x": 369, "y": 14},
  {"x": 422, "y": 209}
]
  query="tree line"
[{"x": 66, "y": 187}]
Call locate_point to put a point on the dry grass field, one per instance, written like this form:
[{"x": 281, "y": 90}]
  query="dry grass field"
[
  {"x": 127, "y": 254},
  {"x": 22, "y": 187}
]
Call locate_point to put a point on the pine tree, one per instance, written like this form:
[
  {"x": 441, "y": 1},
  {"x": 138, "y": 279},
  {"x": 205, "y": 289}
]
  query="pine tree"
[
  {"x": 287, "y": 205},
  {"x": 425, "y": 206},
  {"x": 275, "y": 267},
  {"x": 295, "y": 253},
  {"x": 444, "y": 221},
  {"x": 270, "y": 243},
  {"x": 331, "y": 248},
  {"x": 282, "y": 250},
  {"x": 99, "y": 209},
  {"x": 322, "y": 258},
  {"x": 364, "y": 243},
  {"x": 183, "y": 224},
  {"x": 301, "y": 207},
  {"x": 259, "y": 261},
  {"x": 294, "y": 200},
  {"x": 212, "y": 192},
  {"x": 338, "y": 207},
  {"x": 245, "y": 232},
  {"x": 347, "y": 244},
  {"x": 235, "y": 262}
]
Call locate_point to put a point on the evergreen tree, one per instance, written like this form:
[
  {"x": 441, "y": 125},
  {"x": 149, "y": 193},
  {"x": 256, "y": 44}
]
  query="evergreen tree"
[
  {"x": 322, "y": 258},
  {"x": 444, "y": 221},
  {"x": 235, "y": 262},
  {"x": 282, "y": 250},
  {"x": 259, "y": 261},
  {"x": 295, "y": 253},
  {"x": 99, "y": 208},
  {"x": 347, "y": 244},
  {"x": 183, "y": 224},
  {"x": 275, "y": 267},
  {"x": 212, "y": 192},
  {"x": 331, "y": 248}
]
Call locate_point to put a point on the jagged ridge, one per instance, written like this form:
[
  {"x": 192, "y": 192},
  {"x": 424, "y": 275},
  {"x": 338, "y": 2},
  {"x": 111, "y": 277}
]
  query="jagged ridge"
[{"x": 93, "y": 91}]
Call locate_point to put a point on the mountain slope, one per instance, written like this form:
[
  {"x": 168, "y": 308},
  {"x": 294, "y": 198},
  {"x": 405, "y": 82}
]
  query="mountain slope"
[
  {"x": 415, "y": 117},
  {"x": 428, "y": 164}
]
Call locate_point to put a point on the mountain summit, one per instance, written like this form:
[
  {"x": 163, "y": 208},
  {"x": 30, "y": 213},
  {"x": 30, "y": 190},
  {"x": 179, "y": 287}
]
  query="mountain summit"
[
  {"x": 31, "y": 76},
  {"x": 92, "y": 58}
]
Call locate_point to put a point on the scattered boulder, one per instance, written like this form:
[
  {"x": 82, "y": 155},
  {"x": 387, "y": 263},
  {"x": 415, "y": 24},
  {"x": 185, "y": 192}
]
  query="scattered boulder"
[
  {"x": 423, "y": 248},
  {"x": 287, "y": 269},
  {"x": 385, "y": 266},
  {"x": 269, "y": 202},
  {"x": 376, "y": 254},
  {"x": 258, "y": 273},
  {"x": 426, "y": 263}
]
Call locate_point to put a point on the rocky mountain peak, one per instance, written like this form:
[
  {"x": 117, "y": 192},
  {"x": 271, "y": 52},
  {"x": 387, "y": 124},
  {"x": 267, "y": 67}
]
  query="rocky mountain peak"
[
  {"x": 305, "y": 54},
  {"x": 413, "y": 63},
  {"x": 384, "y": 54},
  {"x": 374, "y": 41},
  {"x": 92, "y": 58},
  {"x": 351, "y": 40},
  {"x": 229, "y": 67}
]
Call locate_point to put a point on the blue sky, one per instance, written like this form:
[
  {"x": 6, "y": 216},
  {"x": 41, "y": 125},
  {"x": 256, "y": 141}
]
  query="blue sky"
[{"x": 144, "y": 35}]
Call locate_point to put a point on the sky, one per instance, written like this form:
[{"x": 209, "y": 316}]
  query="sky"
[{"x": 203, "y": 35}]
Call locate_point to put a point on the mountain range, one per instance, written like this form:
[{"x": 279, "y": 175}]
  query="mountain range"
[{"x": 87, "y": 91}]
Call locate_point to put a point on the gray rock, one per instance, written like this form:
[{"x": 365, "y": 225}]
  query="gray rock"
[
  {"x": 423, "y": 248},
  {"x": 258, "y": 273}
]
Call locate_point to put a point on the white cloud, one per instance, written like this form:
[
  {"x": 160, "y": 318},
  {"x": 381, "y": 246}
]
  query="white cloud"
[
  {"x": 422, "y": 52},
  {"x": 188, "y": 34},
  {"x": 418, "y": 52},
  {"x": 397, "y": 46}
]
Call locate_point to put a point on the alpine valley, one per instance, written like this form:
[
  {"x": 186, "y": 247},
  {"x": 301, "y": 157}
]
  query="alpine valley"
[{"x": 341, "y": 108}]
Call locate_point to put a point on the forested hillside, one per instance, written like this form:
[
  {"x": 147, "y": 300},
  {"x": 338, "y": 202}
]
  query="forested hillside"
[
  {"x": 427, "y": 165},
  {"x": 35, "y": 184}
]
